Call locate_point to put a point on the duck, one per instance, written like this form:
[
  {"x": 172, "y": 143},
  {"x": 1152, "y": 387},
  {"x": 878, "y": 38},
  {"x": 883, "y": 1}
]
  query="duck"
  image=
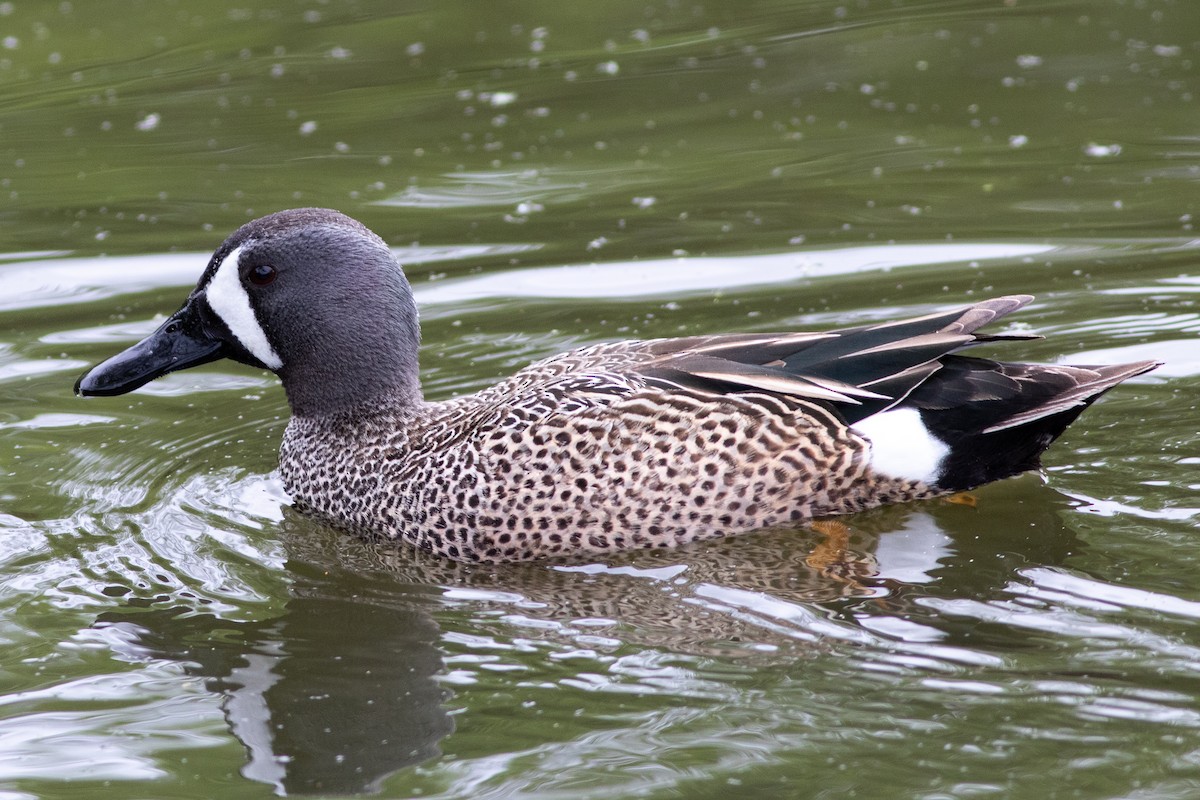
[{"x": 615, "y": 446}]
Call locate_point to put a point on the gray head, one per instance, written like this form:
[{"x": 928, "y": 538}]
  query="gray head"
[{"x": 308, "y": 293}]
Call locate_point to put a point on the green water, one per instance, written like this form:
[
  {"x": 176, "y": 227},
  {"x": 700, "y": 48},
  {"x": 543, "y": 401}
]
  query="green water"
[{"x": 555, "y": 174}]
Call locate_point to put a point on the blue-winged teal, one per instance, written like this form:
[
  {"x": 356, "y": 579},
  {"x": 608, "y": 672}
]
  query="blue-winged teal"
[{"x": 625, "y": 445}]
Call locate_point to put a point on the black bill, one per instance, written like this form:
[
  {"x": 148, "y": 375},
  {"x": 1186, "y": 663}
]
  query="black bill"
[{"x": 179, "y": 343}]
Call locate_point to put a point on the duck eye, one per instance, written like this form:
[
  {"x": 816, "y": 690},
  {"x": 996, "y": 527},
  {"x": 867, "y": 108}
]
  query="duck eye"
[{"x": 261, "y": 275}]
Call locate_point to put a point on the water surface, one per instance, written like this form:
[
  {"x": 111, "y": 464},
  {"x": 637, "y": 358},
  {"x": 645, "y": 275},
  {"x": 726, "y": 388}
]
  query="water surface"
[{"x": 555, "y": 175}]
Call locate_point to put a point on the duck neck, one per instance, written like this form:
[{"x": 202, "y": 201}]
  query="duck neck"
[
  {"x": 328, "y": 393},
  {"x": 377, "y": 370}
]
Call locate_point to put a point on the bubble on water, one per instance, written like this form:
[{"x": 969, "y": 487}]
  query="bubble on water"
[
  {"x": 644, "y": 202},
  {"x": 148, "y": 122},
  {"x": 608, "y": 67},
  {"x": 1029, "y": 61},
  {"x": 1019, "y": 140},
  {"x": 308, "y": 128},
  {"x": 415, "y": 49},
  {"x": 1102, "y": 150}
]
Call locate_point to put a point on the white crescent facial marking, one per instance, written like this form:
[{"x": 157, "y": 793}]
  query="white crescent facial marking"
[
  {"x": 228, "y": 299},
  {"x": 901, "y": 445}
]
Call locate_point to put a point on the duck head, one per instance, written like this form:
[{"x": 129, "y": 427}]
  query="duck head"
[{"x": 310, "y": 294}]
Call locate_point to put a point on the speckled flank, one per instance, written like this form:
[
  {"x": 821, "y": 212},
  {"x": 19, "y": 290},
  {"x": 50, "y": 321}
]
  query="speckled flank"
[{"x": 580, "y": 454}]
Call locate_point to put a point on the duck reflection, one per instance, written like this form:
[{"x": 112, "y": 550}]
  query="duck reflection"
[
  {"x": 331, "y": 696},
  {"x": 341, "y": 689},
  {"x": 761, "y": 596}
]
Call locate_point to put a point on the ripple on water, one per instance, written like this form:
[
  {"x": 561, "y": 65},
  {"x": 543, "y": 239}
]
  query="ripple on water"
[
  {"x": 69, "y": 281},
  {"x": 200, "y": 543},
  {"x": 67, "y": 727},
  {"x": 682, "y": 276},
  {"x": 57, "y": 420}
]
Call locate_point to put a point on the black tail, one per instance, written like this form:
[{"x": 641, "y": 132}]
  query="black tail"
[{"x": 998, "y": 418}]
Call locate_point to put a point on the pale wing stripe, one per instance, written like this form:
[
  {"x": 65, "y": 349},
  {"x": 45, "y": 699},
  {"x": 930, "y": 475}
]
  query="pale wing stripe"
[
  {"x": 783, "y": 385},
  {"x": 769, "y": 339}
]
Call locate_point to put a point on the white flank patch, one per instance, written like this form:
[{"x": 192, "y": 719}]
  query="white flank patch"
[
  {"x": 901, "y": 445},
  {"x": 227, "y": 297}
]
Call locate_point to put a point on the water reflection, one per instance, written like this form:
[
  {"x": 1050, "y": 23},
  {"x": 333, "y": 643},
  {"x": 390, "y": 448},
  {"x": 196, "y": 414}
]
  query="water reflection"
[
  {"x": 346, "y": 685},
  {"x": 760, "y": 596},
  {"x": 331, "y": 696}
]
